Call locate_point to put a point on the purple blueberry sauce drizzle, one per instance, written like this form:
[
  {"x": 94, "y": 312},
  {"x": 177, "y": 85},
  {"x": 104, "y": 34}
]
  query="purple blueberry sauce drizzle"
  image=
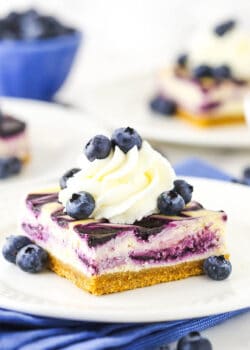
[
  {"x": 36, "y": 232},
  {"x": 199, "y": 244},
  {"x": 95, "y": 234},
  {"x": 210, "y": 105},
  {"x": 11, "y": 127},
  {"x": 91, "y": 266},
  {"x": 61, "y": 218},
  {"x": 100, "y": 232},
  {"x": 36, "y": 200}
]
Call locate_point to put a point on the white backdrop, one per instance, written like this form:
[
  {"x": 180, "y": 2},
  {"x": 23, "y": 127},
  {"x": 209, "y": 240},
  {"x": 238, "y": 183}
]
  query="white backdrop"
[{"x": 130, "y": 36}]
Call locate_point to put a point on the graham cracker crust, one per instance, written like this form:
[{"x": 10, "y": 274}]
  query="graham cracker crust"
[
  {"x": 26, "y": 159},
  {"x": 121, "y": 281},
  {"x": 208, "y": 121}
]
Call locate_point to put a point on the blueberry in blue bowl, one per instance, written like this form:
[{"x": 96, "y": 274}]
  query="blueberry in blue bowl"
[{"x": 36, "y": 54}]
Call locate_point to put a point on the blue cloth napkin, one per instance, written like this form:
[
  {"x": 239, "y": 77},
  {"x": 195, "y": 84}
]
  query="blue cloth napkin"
[{"x": 20, "y": 331}]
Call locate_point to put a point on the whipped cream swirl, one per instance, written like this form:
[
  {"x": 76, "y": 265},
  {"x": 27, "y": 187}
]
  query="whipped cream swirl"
[
  {"x": 125, "y": 186},
  {"x": 232, "y": 49}
]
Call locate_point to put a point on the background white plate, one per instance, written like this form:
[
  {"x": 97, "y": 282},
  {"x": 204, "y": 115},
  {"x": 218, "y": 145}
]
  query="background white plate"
[
  {"x": 125, "y": 102},
  {"x": 57, "y": 136},
  {"x": 49, "y": 295}
]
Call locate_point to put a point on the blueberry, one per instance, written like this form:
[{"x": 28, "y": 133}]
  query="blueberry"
[
  {"x": 224, "y": 27},
  {"x": 98, "y": 147},
  {"x": 80, "y": 206},
  {"x": 246, "y": 173},
  {"x": 202, "y": 71},
  {"x": 184, "y": 189},
  {"x": 66, "y": 176},
  {"x": 12, "y": 246},
  {"x": 163, "y": 347},
  {"x": 194, "y": 341},
  {"x": 170, "y": 203},
  {"x": 222, "y": 72},
  {"x": 245, "y": 181},
  {"x": 29, "y": 26},
  {"x": 32, "y": 258},
  {"x": 9, "y": 166},
  {"x": 126, "y": 138},
  {"x": 217, "y": 267},
  {"x": 182, "y": 60},
  {"x": 162, "y": 105}
]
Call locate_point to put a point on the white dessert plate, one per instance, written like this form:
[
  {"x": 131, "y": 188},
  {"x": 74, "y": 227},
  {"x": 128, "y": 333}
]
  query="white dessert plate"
[
  {"x": 125, "y": 102},
  {"x": 49, "y": 295},
  {"x": 56, "y": 135}
]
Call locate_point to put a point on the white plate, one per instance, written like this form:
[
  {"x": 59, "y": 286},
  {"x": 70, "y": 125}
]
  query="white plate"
[
  {"x": 57, "y": 135},
  {"x": 126, "y": 103},
  {"x": 49, "y": 295}
]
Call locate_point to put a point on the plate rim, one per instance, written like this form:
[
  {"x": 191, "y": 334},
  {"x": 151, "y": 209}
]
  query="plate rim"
[
  {"x": 113, "y": 315},
  {"x": 202, "y": 141}
]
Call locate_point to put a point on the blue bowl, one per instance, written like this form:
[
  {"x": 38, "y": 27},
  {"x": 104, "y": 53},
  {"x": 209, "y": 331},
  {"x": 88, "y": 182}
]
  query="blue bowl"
[{"x": 36, "y": 69}]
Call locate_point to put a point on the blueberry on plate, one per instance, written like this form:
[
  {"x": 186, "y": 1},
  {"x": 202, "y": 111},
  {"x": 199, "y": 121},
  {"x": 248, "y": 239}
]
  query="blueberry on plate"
[
  {"x": 222, "y": 72},
  {"x": 217, "y": 267},
  {"x": 98, "y": 147},
  {"x": 162, "y": 105},
  {"x": 202, "y": 71},
  {"x": 246, "y": 173},
  {"x": 194, "y": 341},
  {"x": 162, "y": 347},
  {"x": 170, "y": 203},
  {"x": 224, "y": 27},
  {"x": 245, "y": 181},
  {"x": 9, "y": 166},
  {"x": 66, "y": 176},
  {"x": 182, "y": 60},
  {"x": 184, "y": 189},
  {"x": 13, "y": 245},
  {"x": 80, "y": 206},
  {"x": 32, "y": 258},
  {"x": 126, "y": 138}
]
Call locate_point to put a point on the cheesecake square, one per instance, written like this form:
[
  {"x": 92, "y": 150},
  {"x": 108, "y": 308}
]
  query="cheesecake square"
[
  {"x": 204, "y": 102},
  {"x": 13, "y": 138},
  {"x": 102, "y": 258}
]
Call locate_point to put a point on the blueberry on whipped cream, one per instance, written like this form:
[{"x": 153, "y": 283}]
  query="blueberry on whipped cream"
[
  {"x": 173, "y": 202},
  {"x": 126, "y": 138},
  {"x": 202, "y": 71},
  {"x": 222, "y": 72},
  {"x": 124, "y": 185},
  {"x": 66, "y": 176},
  {"x": 98, "y": 147},
  {"x": 223, "y": 28},
  {"x": 170, "y": 203},
  {"x": 184, "y": 189},
  {"x": 80, "y": 205}
]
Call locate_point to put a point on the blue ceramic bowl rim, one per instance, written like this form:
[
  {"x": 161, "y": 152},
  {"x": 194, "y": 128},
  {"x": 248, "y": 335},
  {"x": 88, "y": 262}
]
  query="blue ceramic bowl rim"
[{"x": 42, "y": 44}]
